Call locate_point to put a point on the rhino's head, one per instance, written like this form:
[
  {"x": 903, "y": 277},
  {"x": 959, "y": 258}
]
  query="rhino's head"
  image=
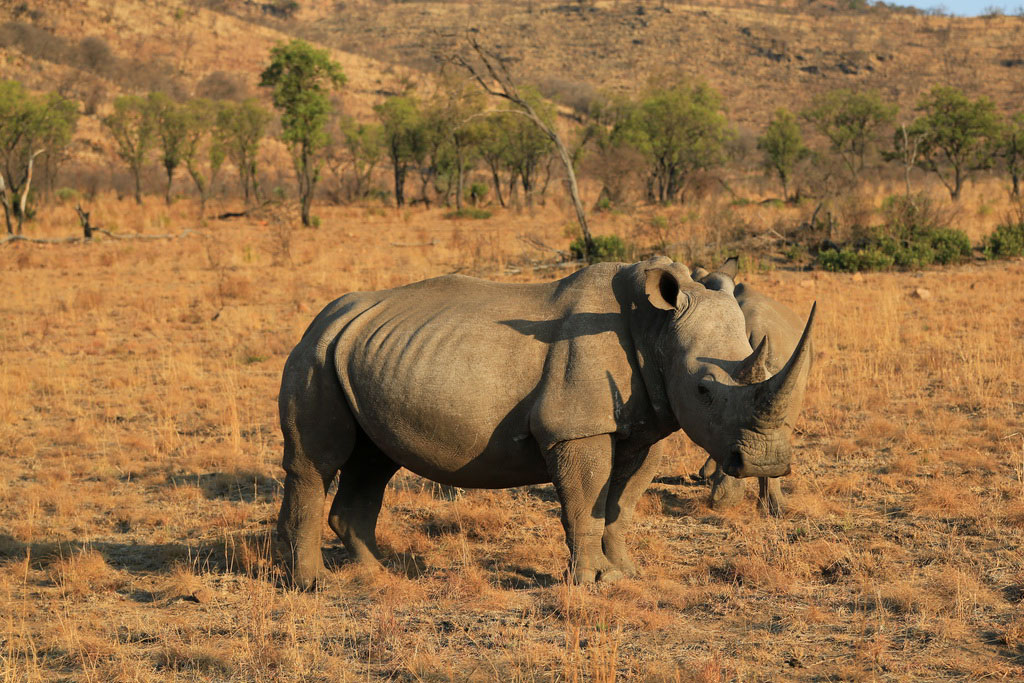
[{"x": 719, "y": 389}]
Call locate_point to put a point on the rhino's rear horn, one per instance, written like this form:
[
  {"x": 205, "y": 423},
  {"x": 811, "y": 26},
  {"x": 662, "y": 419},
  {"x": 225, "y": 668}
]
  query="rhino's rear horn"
[
  {"x": 754, "y": 368},
  {"x": 775, "y": 395}
]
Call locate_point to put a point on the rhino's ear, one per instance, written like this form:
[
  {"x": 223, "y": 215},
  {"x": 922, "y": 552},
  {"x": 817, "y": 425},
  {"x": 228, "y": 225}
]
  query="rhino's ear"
[
  {"x": 663, "y": 289},
  {"x": 731, "y": 267},
  {"x": 698, "y": 273}
]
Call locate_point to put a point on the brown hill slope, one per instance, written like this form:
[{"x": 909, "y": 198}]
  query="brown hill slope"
[{"x": 760, "y": 56}]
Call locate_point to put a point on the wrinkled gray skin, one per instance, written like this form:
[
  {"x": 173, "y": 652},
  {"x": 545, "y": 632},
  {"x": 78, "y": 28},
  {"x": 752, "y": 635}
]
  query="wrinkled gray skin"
[
  {"x": 780, "y": 327},
  {"x": 485, "y": 385}
]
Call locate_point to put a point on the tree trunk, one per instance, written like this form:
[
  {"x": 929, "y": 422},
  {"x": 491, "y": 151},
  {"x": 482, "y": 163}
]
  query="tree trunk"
[
  {"x": 170, "y": 179},
  {"x": 28, "y": 186},
  {"x": 497, "y": 186},
  {"x": 958, "y": 183},
  {"x": 513, "y": 191},
  {"x": 137, "y": 172},
  {"x": 399, "y": 185},
  {"x": 5, "y": 199},
  {"x": 305, "y": 179},
  {"x": 459, "y": 179},
  {"x": 7, "y": 217}
]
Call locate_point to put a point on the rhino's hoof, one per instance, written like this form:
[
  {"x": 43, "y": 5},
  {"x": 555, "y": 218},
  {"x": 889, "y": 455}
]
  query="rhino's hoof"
[
  {"x": 625, "y": 566},
  {"x": 726, "y": 493},
  {"x": 304, "y": 576},
  {"x": 583, "y": 576},
  {"x": 303, "y": 582},
  {"x": 610, "y": 576},
  {"x": 776, "y": 507}
]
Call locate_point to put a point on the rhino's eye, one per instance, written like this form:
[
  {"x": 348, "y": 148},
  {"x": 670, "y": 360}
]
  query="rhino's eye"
[{"x": 704, "y": 394}]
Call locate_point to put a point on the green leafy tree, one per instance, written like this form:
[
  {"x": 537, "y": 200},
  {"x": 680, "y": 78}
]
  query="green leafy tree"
[
  {"x": 958, "y": 135},
  {"x": 361, "y": 149},
  {"x": 459, "y": 109},
  {"x": 783, "y": 147},
  {"x": 616, "y": 162},
  {"x": 680, "y": 130},
  {"x": 202, "y": 141},
  {"x": 133, "y": 127},
  {"x": 853, "y": 122},
  {"x": 528, "y": 144},
  {"x": 404, "y": 137},
  {"x": 300, "y": 78},
  {"x": 1011, "y": 149},
  {"x": 171, "y": 120},
  {"x": 493, "y": 143},
  {"x": 240, "y": 127},
  {"x": 30, "y": 126}
]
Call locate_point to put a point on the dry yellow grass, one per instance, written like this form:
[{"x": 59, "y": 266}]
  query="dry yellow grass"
[{"x": 141, "y": 479}]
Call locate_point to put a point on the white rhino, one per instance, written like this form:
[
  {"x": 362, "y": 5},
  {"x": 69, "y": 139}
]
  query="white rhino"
[
  {"x": 779, "y": 328},
  {"x": 480, "y": 384}
]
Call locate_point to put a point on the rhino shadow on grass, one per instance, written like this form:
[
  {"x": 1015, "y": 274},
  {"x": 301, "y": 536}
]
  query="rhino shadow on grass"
[
  {"x": 241, "y": 553},
  {"x": 246, "y": 486}
]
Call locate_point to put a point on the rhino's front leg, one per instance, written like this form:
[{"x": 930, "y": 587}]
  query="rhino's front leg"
[
  {"x": 707, "y": 470},
  {"x": 770, "y": 496},
  {"x": 580, "y": 470},
  {"x": 631, "y": 476},
  {"x": 726, "y": 491}
]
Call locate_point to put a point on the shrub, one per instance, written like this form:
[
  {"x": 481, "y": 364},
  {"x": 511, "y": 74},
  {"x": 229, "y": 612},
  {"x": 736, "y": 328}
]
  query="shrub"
[
  {"x": 1007, "y": 241},
  {"x": 606, "y": 248},
  {"x": 477, "y": 192},
  {"x": 907, "y": 217},
  {"x": 66, "y": 194},
  {"x": 914, "y": 235},
  {"x": 950, "y": 245},
  {"x": 469, "y": 212},
  {"x": 851, "y": 261}
]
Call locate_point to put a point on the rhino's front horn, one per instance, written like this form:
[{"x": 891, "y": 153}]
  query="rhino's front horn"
[{"x": 774, "y": 396}]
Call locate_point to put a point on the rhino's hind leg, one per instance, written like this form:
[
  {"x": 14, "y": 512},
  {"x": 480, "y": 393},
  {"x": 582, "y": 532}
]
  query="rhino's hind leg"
[
  {"x": 770, "y": 496},
  {"x": 726, "y": 491},
  {"x": 319, "y": 433},
  {"x": 631, "y": 476},
  {"x": 580, "y": 470},
  {"x": 357, "y": 504}
]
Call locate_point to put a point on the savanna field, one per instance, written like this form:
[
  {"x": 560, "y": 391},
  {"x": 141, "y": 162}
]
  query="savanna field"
[{"x": 142, "y": 480}]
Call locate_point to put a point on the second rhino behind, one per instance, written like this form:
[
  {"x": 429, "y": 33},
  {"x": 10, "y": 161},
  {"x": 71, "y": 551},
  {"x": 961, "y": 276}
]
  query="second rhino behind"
[{"x": 775, "y": 323}]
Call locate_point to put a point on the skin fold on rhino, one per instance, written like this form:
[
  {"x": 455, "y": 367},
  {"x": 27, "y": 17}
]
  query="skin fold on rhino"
[
  {"x": 780, "y": 327},
  {"x": 480, "y": 384}
]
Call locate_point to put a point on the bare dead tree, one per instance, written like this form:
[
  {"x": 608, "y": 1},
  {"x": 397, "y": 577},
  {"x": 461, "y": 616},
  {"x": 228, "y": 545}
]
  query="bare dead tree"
[
  {"x": 490, "y": 71},
  {"x": 908, "y": 152}
]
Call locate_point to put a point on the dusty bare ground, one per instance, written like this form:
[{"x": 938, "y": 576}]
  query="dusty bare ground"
[{"x": 141, "y": 480}]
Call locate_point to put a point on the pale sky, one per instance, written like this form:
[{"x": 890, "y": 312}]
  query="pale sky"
[{"x": 967, "y": 8}]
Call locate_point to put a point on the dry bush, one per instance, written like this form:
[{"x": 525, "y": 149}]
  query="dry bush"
[
  {"x": 222, "y": 85},
  {"x": 84, "y": 572}
]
